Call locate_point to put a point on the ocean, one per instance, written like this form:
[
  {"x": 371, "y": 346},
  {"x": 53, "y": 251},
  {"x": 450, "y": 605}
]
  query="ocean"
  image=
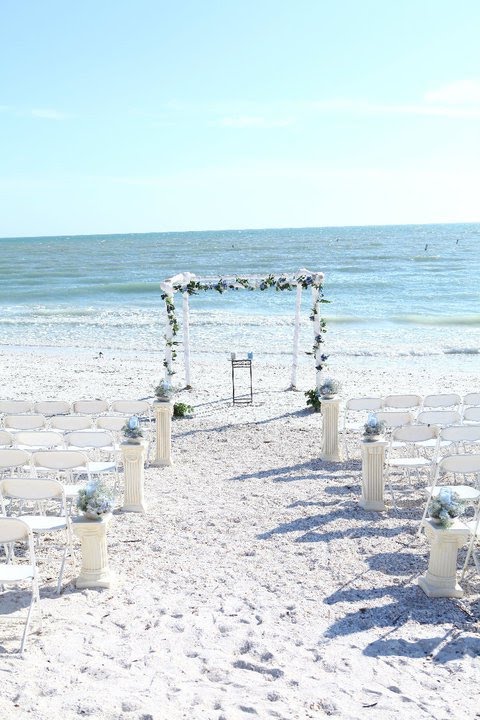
[{"x": 395, "y": 291}]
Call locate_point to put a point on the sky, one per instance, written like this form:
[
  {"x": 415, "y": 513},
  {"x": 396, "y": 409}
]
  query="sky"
[{"x": 124, "y": 116}]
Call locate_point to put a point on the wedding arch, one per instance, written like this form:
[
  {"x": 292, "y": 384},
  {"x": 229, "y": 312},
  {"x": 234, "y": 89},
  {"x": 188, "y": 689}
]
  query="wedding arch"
[{"x": 189, "y": 284}]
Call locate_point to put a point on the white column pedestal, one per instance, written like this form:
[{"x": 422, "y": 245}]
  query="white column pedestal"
[
  {"x": 133, "y": 457},
  {"x": 94, "y": 572},
  {"x": 163, "y": 446},
  {"x": 330, "y": 410},
  {"x": 440, "y": 580},
  {"x": 373, "y": 481}
]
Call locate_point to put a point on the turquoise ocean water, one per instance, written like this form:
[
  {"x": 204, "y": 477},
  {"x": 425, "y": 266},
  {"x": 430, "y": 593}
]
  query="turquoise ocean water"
[{"x": 395, "y": 291}]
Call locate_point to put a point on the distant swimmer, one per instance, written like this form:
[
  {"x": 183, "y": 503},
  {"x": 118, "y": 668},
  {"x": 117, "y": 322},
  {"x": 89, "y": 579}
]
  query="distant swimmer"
[
  {"x": 426, "y": 247},
  {"x": 457, "y": 241}
]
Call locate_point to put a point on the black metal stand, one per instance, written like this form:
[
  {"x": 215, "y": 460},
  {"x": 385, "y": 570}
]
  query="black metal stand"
[{"x": 242, "y": 399}]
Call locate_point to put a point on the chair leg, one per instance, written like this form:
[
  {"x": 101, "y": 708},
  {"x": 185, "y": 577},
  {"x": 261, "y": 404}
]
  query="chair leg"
[{"x": 27, "y": 622}]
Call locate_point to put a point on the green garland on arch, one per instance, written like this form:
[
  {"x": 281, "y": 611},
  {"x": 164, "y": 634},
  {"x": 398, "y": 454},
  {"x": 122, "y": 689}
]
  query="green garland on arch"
[{"x": 282, "y": 282}]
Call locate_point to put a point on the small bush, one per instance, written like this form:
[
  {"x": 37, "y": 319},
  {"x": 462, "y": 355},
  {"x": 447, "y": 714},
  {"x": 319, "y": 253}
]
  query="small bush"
[
  {"x": 313, "y": 399},
  {"x": 182, "y": 410}
]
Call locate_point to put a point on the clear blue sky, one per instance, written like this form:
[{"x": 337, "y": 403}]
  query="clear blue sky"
[{"x": 153, "y": 115}]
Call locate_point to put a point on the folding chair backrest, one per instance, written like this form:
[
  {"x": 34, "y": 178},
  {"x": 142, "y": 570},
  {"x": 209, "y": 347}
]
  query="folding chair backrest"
[
  {"x": 395, "y": 418},
  {"x": 59, "y": 459},
  {"x": 472, "y": 414},
  {"x": 414, "y": 433},
  {"x": 469, "y": 463},
  {"x": 113, "y": 423},
  {"x": 52, "y": 407},
  {"x": 90, "y": 407},
  {"x": 366, "y": 403},
  {"x": 24, "y": 422},
  {"x": 14, "y": 407},
  {"x": 439, "y": 417},
  {"x": 131, "y": 407},
  {"x": 460, "y": 433},
  {"x": 6, "y": 439},
  {"x": 442, "y": 400},
  {"x": 31, "y": 489},
  {"x": 39, "y": 438},
  {"x": 472, "y": 398},
  {"x": 402, "y": 401},
  {"x": 13, "y": 458},
  {"x": 13, "y": 530},
  {"x": 89, "y": 439},
  {"x": 69, "y": 423}
]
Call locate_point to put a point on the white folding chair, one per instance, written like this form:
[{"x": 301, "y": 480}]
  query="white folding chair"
[
  {"x": 24, "y": 422},
  {"x": 95, "y": 442},
  {"x": 64, "y": 465},
  {"x": 52, "y": 407},
  {"x": 471, "y": 416},
  {"x": 472, "y": 398},
  {"x": 14, "y": 530},
  {"x": 394, "y": 419},
  {"x": 70, "y": 423},
  {"x": 32, "y": 440},
  {"x": 442, "y": 400},
  {"x": 90, "y": 407},
  {"x": 354, "y": 415},
  {"x": 407, "y": 439},
  {"x": 465, "y": 465},
  {"x": 474, "y": 528},
  {"x": 48, "y": 494}
]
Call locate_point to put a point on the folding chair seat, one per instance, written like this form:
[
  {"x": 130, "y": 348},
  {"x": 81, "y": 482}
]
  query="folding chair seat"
[
  {"x": 442, "y": 400},
  {"x": 355, "y": 415},
  {"x": 90, "y": 407},
  {"x": 464, "y": 465},
  {"x": 409, "y": 437},
  {"x": 66, "y": 466},
  {"x": 12, "y": 572},
  {"x": 70, "y": 423},
  {"x": 24, "y": 422},
  {"x": 52, "y": 407},
  {"x": 48, "y": 495},
  {"x": 32, "y": 440}
]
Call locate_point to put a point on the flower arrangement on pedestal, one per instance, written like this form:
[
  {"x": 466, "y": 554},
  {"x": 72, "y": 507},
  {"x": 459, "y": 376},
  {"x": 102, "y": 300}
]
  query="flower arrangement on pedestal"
[
  {"x": 132, "y": 430},
  {"x": 373, "y": 428},
  {"x": 445, "y": 507},
  {"x": 329, "y": 388},
  {"x": 164, "y": 391},
  {"x": 95, "y": 500}
]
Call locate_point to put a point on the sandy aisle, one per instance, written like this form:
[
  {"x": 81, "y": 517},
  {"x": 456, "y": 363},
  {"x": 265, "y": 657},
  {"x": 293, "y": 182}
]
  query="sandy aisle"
[{"x": 255, "y": 586}]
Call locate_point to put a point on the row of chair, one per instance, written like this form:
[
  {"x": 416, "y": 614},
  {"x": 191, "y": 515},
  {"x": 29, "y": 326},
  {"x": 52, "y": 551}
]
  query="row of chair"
[
  {"x": 63, "y": 423},
  {"x": 93, "y": 407}
]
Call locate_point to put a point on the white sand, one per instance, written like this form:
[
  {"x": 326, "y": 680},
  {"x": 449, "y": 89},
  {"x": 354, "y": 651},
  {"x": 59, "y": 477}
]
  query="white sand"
[{"x": 255, "y": 586}]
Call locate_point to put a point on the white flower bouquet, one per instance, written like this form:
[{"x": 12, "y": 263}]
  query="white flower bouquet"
[
  {"x": 445, "y": 507},
  {"x": 164, "y": 390},
  {"x": 132, "y": 429},
  {"x": 95, "y": 500},
  {"x": 329, "y": 387},
  {"x": 373, "y": 427}
]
